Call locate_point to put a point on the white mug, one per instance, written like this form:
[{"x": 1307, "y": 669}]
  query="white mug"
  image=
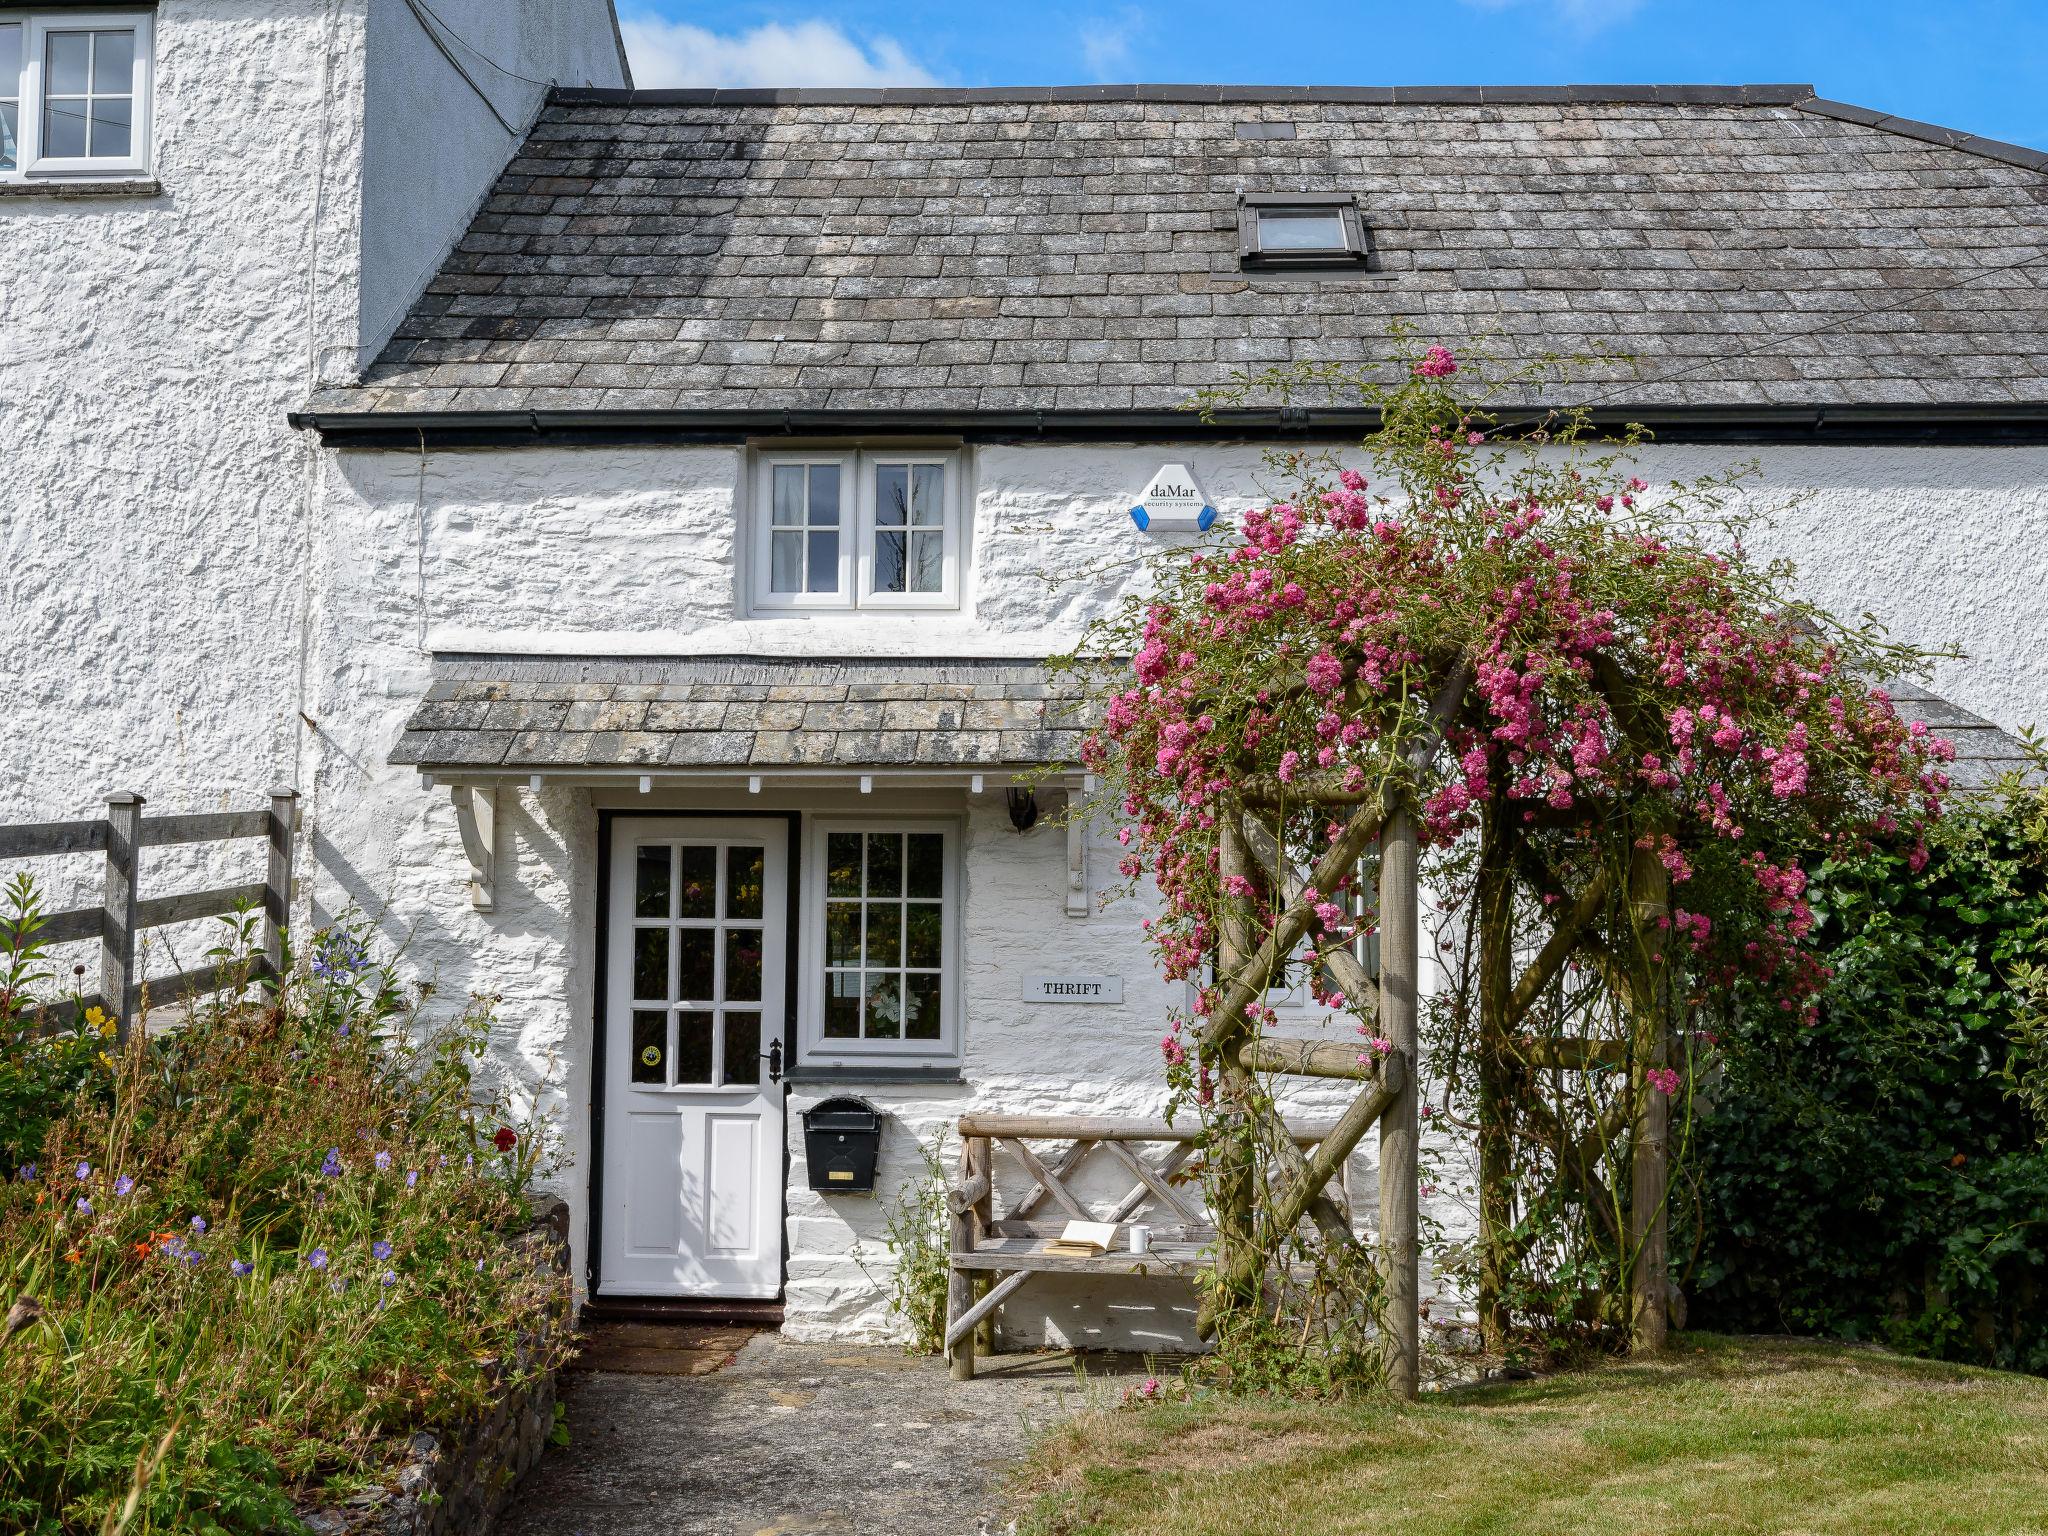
[{"x": 1141, "y": 1238}]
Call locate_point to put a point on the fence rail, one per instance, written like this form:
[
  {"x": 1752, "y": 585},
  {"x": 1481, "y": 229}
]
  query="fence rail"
[{"x": 122, "y": 915}]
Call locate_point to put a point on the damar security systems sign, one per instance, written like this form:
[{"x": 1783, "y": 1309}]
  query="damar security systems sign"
[{"x": 1173, "y": 500}]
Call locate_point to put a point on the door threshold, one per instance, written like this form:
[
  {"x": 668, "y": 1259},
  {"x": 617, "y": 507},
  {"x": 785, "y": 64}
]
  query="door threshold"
[{"x": 683, "y": 1309}]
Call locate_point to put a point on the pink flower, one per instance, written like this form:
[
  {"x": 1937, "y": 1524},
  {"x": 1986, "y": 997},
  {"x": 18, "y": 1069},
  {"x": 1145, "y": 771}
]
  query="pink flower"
[
  {"x": 1436, "y": 364},
  {"x": 1663, "y": 1079}
]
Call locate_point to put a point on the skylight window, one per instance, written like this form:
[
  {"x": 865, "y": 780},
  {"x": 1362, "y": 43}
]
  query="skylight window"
[{"x": 1300, "y": 229}]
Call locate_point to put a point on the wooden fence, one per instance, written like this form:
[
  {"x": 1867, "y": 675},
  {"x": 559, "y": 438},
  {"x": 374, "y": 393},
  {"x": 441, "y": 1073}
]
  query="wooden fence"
[{"x": 122, "y": 835}]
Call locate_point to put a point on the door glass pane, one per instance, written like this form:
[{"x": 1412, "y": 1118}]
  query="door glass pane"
[
  {"x": 892, "y": 495},
  {"x": 824, "y": 500},
  {"x": 842, "y": 933},
  {"x": 64, "y": 129},
  {"x": 786, "y": 560},
  {"x": 928, "y": 495},
  {"x": 920, "y": 1007},
  {"x": 927, "y": 865},
  {"x": 109, "y": 128},
  {"x": 885, "y": 864},
  {"x": 928, "y": 562},
  {"x": 113, "y": 63},
  {"x": 650, "y": 963},
  {"x": 699, "y": 881},
  {"x": 10, "y": 60},
  {"x": 10, "y": 130},
  {"x": 650, "y": 1045},
  {"x": 842, "y": 864},
  {"x": 693, "y": 1048},
  {"x": 885, "y": 933},
  {"x": 888, "y": 561},
  {"x": 743, "y": 868},
  {"x": 786, "y": 502},
  {"x": 695, "y": 984},
  {"x": 742, "y": 965},
  {"x": 885, "y": 1007},
  {"x": 651, "y": 881},
  {"x": 743, "y": 1048},
  {"x": 842, "y": 1005},
  {"x": 67, "y": 63},
  {"x": 823, "y": 575},
  {"x": 923, "y": 936}
]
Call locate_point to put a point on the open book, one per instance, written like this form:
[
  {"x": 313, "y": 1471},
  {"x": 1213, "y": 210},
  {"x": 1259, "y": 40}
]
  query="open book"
[{"x": 1083, "y": 1239}]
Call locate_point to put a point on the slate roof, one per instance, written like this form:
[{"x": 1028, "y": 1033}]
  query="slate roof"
[
  {"x": 1075, "y": 249},
  {"x": 531, "y": 714}
]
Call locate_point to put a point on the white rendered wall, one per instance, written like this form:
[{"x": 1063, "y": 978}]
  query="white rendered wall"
[{"x": 633, "y": 551}]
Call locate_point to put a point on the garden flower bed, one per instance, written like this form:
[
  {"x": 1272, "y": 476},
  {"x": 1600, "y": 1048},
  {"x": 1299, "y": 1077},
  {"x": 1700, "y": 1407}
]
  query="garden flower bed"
[{"x": 249, "y": 1262}]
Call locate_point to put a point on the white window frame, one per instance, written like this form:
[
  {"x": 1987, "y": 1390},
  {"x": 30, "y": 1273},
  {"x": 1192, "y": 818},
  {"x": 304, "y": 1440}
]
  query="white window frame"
[
  {"x": 857, "y": 524},
  {"x": 31, "y": 164},
  {"x": 813, "y": 1049}
]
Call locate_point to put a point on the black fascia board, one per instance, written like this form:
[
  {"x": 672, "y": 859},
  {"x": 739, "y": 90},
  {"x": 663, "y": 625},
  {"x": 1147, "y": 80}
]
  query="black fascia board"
[{"x": 1877, "y": 424}]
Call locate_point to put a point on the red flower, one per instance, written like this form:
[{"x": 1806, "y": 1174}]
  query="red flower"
[{"x": 506, "y": 1139}]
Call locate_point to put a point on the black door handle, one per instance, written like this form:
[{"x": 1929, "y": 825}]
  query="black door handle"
[{"x": 775, "y": 1061}]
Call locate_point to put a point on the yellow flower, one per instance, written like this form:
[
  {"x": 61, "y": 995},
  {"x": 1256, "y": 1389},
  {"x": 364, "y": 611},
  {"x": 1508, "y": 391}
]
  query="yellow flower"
[
  {"x": 106, "y": 1061},
  {"x": 96, "y": 1018}
]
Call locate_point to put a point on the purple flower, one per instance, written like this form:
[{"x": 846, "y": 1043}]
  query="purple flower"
[
  {"x": 26, "y": 1173},
  {"x": 83, "y": 1170},
  {"x": 317, "y": 1259},
  {"x": 412, "y": 1178},
  {"x": 123, "y": 1185},
  {"x": 242, "y": 1269},
  {"x": 343, "y": 1033},
  {"x": 331, "y": 1164},
  {"x": 192, "y": 1256},
  {"x": 380, "y": 1250},
  {"x": 383, "y": 1162},
  {"x": 84, "y": 1206},
  {"x": 198, "y": 1223},
  {"x": 390, "y": 1278}
]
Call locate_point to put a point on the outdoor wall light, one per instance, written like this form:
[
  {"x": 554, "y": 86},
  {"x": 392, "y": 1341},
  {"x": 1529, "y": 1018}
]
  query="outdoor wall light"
[{"x": 1023, "y": 807}]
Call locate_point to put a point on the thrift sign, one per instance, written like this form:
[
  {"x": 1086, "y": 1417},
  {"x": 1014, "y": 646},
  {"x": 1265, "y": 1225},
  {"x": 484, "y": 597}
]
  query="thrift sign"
[
  {"x": 1073, "y": 989},
  {"x": 1173, "y": 500}
]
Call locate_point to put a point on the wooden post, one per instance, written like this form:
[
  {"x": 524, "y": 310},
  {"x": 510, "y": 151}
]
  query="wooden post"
[
  {"x": 277, "y": 885},
  {"x": 117, "y": 915},
  {"x": 1649, "y": 899},
  {"x": 1495, "y": 914},
  {"x": 982, "y": 1163},
  {"x": 1235, "y": 1234},
  {"x": 1400, "y": 1125},
  {"x": 960, "y": 1282}
]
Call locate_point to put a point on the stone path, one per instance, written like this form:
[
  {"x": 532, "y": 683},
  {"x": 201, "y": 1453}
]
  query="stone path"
[{"x": 793, "y": 1439}]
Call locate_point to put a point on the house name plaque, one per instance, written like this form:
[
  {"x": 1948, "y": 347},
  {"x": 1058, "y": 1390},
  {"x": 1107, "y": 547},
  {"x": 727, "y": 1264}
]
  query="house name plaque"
[{"x": 1073, "y": 989}]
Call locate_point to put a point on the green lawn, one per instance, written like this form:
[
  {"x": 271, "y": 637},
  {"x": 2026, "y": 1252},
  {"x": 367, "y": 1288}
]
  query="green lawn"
[{"x": 1719, "y": 1435}]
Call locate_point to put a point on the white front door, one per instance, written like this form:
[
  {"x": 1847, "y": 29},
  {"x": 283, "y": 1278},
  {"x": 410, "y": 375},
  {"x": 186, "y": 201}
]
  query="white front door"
[{"x": 694, "y": 988}]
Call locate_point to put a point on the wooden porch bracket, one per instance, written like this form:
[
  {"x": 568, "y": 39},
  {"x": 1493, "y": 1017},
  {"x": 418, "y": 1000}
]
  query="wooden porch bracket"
[{"x": 476, "y": 817}]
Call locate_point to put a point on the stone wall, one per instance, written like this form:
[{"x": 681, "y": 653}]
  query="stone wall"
[{"x": 460, "y": 1484}]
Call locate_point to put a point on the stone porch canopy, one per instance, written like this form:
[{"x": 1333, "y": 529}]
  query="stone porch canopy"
[{"x": 719, "y": 265}]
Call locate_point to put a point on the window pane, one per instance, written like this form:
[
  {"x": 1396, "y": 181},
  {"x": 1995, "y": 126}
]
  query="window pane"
[
  {"x": 787, "y": 501},
  {"x": 786, "y": 560},
  {"x": 651, "y": 881},
  {"x": 650, "y": 1045},
  {"x": 928, "y": 561},
  {"x": 842, "y": 1005},
  {"x": 109, "y": 128},
  {"x": 888, "y": 561},
  {"x": 885, "y": 933},
  {"x": 66, "y": 63},
  {"x": 113, "y": 63},
  {"x": 1301, "y": 229},
  {"x": 885, "y": 864},
  {"x": 927, "y": 865},
  {"x": 924, "y": 934},
  {"x": 743, "y": 881},
  {"x": 64, "y": 130},
  {"x": 842, "y": 864},
  {"x": 892, "y": 495},
  {"x": 885, "y": 1007},
  {"x": 10, "y": 61},
  {"x": 842, "y": 933},
  {"x": 928, "y": 501},
  {"x": 693, "y": 1048},
  {"x": 824, "y": 571},
  {"x": 700, "y": 881},
  {"x": 824, "y": 496},
  {"x": 742, "y": 965},
  {"x": 743, "y": 1048},
  {"x": 694, "y": 985},
  {"x": 650, "y": 964},
  {"x": 920, "y": 1007},
  {"x": 10, "y": 129}
]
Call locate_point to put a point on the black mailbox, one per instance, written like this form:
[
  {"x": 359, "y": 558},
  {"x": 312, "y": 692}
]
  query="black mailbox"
[{"x": 842, "y": 1140}]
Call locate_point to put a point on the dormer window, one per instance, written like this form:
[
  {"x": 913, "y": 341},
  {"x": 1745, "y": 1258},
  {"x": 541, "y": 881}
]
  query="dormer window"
[
  {"x": 1300, "y": 229},
  {"x": 74, "y": 95},
  {"x": 868, "y": 528}
]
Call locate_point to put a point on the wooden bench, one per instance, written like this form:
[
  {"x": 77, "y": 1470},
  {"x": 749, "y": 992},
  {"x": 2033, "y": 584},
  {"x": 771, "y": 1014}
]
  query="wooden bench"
[{"x": 993, "y": 1256}]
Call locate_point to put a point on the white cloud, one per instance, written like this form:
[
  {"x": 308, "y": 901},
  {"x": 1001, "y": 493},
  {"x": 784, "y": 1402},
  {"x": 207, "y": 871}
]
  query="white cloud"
[
  {"x": 676, "y": 54},
  {"x": 1106, "y": 43},
  {"x": 1581, "y": 15}
]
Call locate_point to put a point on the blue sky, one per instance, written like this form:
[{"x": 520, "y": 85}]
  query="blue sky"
[{"x": 1977, "y": 65}]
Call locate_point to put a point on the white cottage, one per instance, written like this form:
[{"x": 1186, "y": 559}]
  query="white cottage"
[{"x": 648, "y": 592}]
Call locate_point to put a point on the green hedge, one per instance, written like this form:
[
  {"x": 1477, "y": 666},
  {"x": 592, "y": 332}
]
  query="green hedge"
[{"x": 1881, "y": 1173}]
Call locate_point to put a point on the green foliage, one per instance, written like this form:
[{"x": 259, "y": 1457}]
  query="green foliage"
[
  {"x": 914, "y": 1229},
  {"x": 41, "y": 1074},
  {"x": 252, "y": 1255},
  {"x": 1881, "y": 1174}
]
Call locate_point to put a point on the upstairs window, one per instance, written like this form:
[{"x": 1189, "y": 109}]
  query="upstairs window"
[
  {"x": 1300, "y": 229},
  {"x": 74, "y": 95},
  {"x": 871, "y": 529}
]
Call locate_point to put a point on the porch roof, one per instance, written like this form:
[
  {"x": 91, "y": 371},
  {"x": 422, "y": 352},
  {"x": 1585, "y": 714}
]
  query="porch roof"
[{"x": 541, "y": 714}]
